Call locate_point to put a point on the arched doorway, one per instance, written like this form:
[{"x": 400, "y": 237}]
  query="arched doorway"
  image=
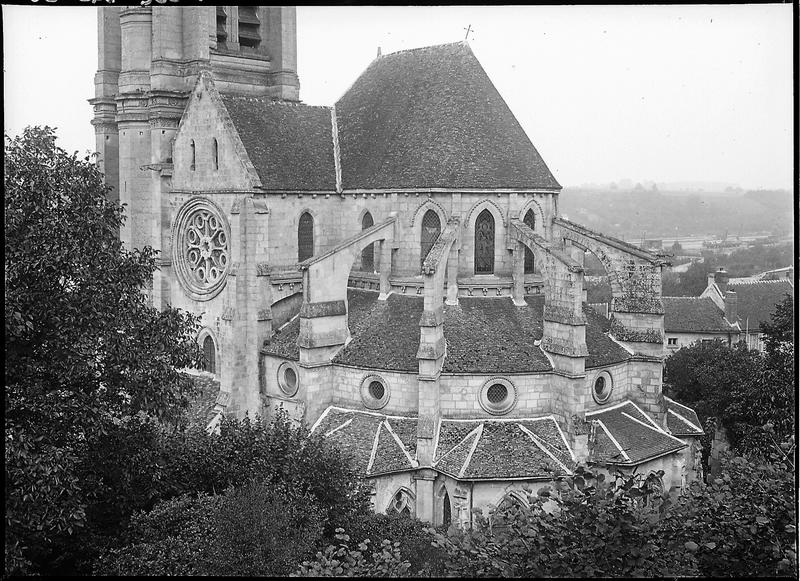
[
  {"x": 431, "y": 228},
  {"x": 484, "y": 243}
]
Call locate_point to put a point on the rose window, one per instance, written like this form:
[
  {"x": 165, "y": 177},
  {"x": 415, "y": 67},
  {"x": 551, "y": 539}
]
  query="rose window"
[{"x": 201, "y": 249}]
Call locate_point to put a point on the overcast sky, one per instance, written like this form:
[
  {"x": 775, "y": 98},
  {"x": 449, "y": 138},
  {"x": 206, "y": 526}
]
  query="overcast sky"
[{"x": 661, "y": 93}]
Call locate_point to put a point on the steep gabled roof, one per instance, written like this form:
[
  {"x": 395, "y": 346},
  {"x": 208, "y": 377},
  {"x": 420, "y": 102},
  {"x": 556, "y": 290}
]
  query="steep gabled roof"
[
  {"x": 431, "y": 118},
  {"x": 756, "y": 301},
  {"x": 682, "y": 420},
  {"x": 290, "y": 145},
  {"x": 694, "y": 315},
  {"x": 628, "y": 436}
]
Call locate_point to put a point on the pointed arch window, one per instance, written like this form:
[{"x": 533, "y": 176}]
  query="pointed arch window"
[
  {"x": 402, "y": 504},
  {"x": 209, "y": 355},
  {"x": 305, "y": 237},
  {"x": 431, "y": 228},
  {"x": 447, "y": 511},
  {"x": 368, "y": 254},
  {"x": 529, "y": 221},
  {"x": 191, "y": 146},
  {"x": 484, "y": 243},
  {"x": 215, "y": 154}
]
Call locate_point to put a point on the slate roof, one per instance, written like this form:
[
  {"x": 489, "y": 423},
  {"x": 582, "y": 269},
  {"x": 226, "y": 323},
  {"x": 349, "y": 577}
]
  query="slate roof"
[
  {"x": 756, "y": 301},
  {"x": 639, "y": 438},
  {"x": 469, "y": 450},
  {"x": 289, "y": 144},
  {"x": 602, "y": 349},
  {"x": 694, "y": 315},
  {"x": 484, "y": 335},
  {"x": 682, "y": 420},
  {"x": 371, "y": 439},
  {"x": 431, "y": 118}
]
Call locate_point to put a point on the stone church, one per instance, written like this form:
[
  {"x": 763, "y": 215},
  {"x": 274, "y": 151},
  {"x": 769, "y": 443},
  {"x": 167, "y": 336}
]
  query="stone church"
[{"x": 391, "y": 270}]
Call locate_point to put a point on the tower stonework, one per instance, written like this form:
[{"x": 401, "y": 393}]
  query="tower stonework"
[{"x": 149, "y": 59}]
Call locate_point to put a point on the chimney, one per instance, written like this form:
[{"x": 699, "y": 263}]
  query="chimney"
[
  {"x": 730, "y": 306},
  {"x": 711, "y": 279},
  {"x": 721, "y": 278}
]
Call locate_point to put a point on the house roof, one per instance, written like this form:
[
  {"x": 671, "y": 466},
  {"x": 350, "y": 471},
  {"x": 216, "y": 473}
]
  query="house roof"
[
  {"x": 289, "y": 144},
  {"x": 483, "y": 335},
  {"x": 682, "y": 420},
  {"x": 470, "y": 450},
  {"x": 694, "y": 315},
  {"x": 756, "y": 301},
  {"x": 431, "y": 118},
  {"x": 629, "y": 436}
]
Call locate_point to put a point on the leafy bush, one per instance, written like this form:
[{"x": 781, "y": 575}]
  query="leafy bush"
[
  {"x": 416, "y": 541},
  {"x": 252, "y": 530},
  {"x": 342, "y": 561}
]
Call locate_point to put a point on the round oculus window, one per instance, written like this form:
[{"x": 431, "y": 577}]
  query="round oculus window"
[
  {"x": 200, "y": 249},
  {"x": 374, "y": 392},
  {"x": 498, "y": 396},
  {"x": 288, "y": 380},
  {"x": 601, "y": 390}
]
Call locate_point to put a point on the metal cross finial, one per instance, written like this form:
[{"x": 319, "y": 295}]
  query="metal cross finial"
[{"x": 468, "y": 29}]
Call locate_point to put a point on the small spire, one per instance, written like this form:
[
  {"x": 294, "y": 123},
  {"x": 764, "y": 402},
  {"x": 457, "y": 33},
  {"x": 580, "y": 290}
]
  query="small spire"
[{"x": 379, "y": 52}]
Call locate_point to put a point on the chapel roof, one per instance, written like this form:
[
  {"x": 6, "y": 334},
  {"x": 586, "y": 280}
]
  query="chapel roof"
[
  {"x": 682, "y": 420},
  {"x": 629, "y": 436},
  {"x": 756, "y": 301},
  {"x": 289, "y": 144},
  {"x": 483, "y": 335},
  {"x": 431, "y": 118},
  {"x": 203, "y": 406},
  {"x": 694, "y": 315},
  {"x": 484, "y": 449}
]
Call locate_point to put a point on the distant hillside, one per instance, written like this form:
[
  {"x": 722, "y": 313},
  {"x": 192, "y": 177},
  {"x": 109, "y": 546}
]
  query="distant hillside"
[{"x": 663, "y": 214}]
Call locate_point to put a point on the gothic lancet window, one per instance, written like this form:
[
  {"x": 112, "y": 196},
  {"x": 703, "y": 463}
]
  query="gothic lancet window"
[
  {"x": 305, "y": 237},
  {"x": 484, "y": 243},
  {"x": 215, "y": 154},
  {"x": 191, "y": 146},
  {"x": 402, "y": 504},
  {"x": 447, "y": 517},
  {"x": 210, "y": 355},
  {"x": 529, "y": 221},
  {"x": 431, "y": 228},
  {"x": 368, "y": 254}
]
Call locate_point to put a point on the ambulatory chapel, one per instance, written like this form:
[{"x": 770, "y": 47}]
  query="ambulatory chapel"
[{"x": 391, "y": 270}]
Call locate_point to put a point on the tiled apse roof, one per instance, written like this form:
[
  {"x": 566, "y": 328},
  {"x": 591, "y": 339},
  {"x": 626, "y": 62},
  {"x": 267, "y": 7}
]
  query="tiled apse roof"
[
  {"x": 201, "y": 409},
  {"x": 498, "y": 449},
  {"x": 393, "y": 450},
  {"x": 290, "y": 145},
  {"x": 693, "y": 314},
  {"x": 756, "y": 301},
  {"x": 483, "y": 449},
  {"x": 638, "y": 437},
  {"x": 484, "y": 335},
  {"x": 682, "y": 420},
  {"x": 430, "y": 117}
]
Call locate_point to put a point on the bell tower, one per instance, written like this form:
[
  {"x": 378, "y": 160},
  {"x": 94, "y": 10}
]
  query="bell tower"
[{"x": 149, "y": 58}]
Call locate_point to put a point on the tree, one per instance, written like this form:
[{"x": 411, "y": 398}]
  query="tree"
[{"x": 84, "y": 349}]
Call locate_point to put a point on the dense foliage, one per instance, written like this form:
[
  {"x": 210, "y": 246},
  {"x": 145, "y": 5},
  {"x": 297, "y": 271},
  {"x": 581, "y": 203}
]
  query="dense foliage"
[
  {"x": 742, "y": 524},
  {"x": 84, "y": 350},
  {"x": 753, "y": 395}
]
